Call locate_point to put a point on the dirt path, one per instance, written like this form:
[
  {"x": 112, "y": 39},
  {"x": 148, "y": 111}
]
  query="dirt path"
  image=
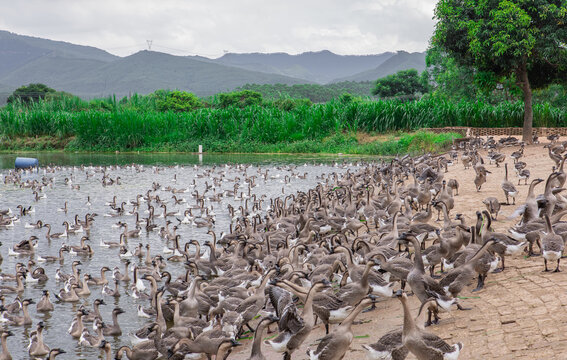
[{"x": 521, "y": 312}]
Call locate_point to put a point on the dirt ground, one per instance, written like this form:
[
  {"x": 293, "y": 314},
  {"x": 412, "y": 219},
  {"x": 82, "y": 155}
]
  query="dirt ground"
[{"x": 521, "y": 312}]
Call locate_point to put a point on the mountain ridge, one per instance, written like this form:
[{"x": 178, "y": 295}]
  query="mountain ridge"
[{"x": 91, "y": 72}]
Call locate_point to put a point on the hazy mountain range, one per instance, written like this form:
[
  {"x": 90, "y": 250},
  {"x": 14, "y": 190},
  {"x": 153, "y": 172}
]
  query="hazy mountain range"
[{"x": 90, "y": 72}]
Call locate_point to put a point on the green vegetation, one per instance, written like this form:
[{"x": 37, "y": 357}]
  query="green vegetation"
[
  {"x": 403, "y": 83},
  {"x": 177, "y": 101},
  {"x": 136, "y": 124},
  {"x": 314, "y": 92},
  {"x": 520, "y": 41},
  {"x": 35, "y": 92}
]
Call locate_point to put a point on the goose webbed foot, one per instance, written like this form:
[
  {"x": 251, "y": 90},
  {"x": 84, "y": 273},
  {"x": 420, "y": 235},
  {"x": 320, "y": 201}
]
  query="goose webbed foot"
[
  {"x": 497, "y": 271},
  {"x": 480, "y": 283},
  {"x": 460, "y": 307},
  {"x": 372, "y": 308}
]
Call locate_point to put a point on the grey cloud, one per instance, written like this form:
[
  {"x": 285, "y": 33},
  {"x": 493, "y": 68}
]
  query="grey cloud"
[{"x": 207, "y": 28}]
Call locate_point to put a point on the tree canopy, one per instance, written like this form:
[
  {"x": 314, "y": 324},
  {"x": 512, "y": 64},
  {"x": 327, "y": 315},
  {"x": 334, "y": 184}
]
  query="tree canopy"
[
  {"x": 525, "y": 40},
  {"x": 402, "y": 83},
  {"x": 31, "y": 92}
]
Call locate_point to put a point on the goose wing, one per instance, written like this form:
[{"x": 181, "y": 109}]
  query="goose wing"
[
  {"x": 329, "y": 346},
  {"x": 433, "y": 341},
  {"x": 286, "y": 310}
]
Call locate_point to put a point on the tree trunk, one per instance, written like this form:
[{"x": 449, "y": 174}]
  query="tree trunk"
[{"x": 524, "y": 83}]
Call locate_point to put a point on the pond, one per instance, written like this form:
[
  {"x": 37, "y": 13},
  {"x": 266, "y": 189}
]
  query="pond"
[{"x": 72, "y": 184}]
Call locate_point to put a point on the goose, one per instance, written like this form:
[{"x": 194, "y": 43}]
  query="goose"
[
  {"x": 506, "y": 245},
  {"x": 95, "y": 313},
  {"x": 388, "y": 347},
  {"x": 37, "y": 225},
  {"x": 84, "y": 289},
  {"x": 424, "y": 286},
  {"x": 132, "y": 233},
  {"x": 398, "y": 266},
  {"x": 327, "y": 306},
  {"x": 114, "y": 329},
  {"x": 19, "y": 288},
  {"x": 251, "y": 306},
  {"x": 335, "y": 345},
  {"x": 26, "y": 318},
  {"x": 256, "y": 353},
  {"x": 89, "y": 340},
  {"x": 117, "y": 275},
  {"x": 141, "y": 351},
  {"x": 102, "y": 280},
  {"x": 424, "y": 345},
  {"x": 5, "y": 355},
  {"x": 59, "y": 258},
  {"x": 294, "y": 328},
  {"x": 508, "y": 188},
  {"x": 72, "y": 229},
  {"x": 70, "y": 296},
  {"x": 44, "y": 304},
  {"x": 50, "y": 236},
  {"x": 457, "y": 279},
  {"x": 552, "y": 245},
  {"x": 492, "y": 205},
  {"x": 37, "y": 347},
  {"x": 203, "y": 344},
  {"x": 106, "y": 290},
  {"x": 76, "y": 328}
]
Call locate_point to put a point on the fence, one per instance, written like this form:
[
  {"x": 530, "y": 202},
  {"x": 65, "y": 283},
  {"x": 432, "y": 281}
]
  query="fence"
[{"x": 509, "y": 131}]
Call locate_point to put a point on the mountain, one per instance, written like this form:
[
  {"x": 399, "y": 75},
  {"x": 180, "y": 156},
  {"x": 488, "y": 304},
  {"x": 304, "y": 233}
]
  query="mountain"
[
  {"x": 90, "y": 72},
  {"x": 143, "y": 72},
  {"x": 19, "y": 50},
  {"x": 401, "y": 61},
  {"x": 321, "y": 67}
]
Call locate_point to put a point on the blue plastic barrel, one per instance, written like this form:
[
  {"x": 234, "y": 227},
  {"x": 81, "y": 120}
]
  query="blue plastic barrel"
[{"x": 24, "y": 163}]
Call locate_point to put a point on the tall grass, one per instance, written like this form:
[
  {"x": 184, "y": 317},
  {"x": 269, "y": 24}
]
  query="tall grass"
[{"x": 107, "y": 124}]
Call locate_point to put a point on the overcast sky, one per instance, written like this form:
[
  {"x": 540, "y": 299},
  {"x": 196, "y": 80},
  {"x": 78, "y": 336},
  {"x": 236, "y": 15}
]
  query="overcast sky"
[{"x": 211, "y": 27}]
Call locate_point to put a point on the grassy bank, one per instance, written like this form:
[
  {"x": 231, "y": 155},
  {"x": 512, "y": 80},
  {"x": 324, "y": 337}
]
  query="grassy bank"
[
  {"x": 416, "y": 142},
  {"x": 107, "y": 125}
]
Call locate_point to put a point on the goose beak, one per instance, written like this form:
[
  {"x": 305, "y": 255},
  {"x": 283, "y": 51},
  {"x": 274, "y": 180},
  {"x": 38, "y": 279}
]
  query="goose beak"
[{"x": 398, "y": 293}]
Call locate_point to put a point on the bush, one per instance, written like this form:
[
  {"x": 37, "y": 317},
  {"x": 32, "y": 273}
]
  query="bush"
[
  {"x": 29, "y": 93},
  {"x": 177, "y": 101},
  {"x": 239, "y": 99}
]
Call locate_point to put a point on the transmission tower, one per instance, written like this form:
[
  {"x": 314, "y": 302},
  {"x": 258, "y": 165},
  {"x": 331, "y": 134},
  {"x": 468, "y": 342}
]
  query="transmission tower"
[{"x": 149, "y": 44}]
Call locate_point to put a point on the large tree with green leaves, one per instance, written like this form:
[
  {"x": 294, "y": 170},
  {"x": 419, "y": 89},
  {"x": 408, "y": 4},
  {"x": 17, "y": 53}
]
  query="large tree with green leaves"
[
  {"x": 402, "y": 83},
  {"x": 523, "y": 39}
]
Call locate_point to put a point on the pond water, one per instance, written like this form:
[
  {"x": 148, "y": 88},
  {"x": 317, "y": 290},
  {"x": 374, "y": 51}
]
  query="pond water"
[
  {"x": 275, "y": 176},
  {"x": 106, "y": 159}
]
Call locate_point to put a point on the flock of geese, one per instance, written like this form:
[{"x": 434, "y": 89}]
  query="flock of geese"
[{"x": 286, "y": 263}]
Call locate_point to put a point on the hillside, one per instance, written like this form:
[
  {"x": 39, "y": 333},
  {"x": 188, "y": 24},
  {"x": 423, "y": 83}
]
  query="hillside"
[
  {"x": 401, "y": 61},
  {"x": 321, "y": 66},
  {"x": 90, "y": 72},
  {"x": 17, "y": 51}
]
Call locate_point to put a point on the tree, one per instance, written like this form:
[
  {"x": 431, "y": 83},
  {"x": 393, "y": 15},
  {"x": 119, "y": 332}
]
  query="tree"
[
  {"x": 240, "y": 98},
  {"x": 523, "y": 39},
  {"x": 402, "y": 83},
  {"x": 178, "y": 101},
  {"x": 31, "y": 92}
]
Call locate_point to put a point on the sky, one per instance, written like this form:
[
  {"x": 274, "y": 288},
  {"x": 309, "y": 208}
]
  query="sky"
[{"x": 212, "y": 27}]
